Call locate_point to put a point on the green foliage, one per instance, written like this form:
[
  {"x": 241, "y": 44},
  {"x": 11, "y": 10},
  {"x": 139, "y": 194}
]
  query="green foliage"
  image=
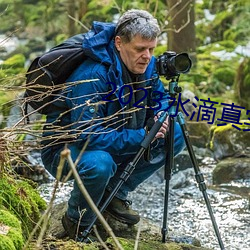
[
  {"x": 12, "y": 67},
  {"x": 224, "y": 75},
  {"x": 160, "y": 49}
]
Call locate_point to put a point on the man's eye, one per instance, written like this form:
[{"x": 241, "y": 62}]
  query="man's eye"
[{"x": 139, "y": 50}]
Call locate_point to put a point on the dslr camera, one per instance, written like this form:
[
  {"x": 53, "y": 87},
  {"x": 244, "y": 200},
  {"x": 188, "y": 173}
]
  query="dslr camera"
[{"x": 171, "y": 65}]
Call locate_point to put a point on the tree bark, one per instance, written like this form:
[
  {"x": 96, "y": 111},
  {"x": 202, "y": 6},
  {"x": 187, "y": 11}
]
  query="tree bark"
[
  {"x": 71, "y": 6},
  {"x": 181, "y": 27}
]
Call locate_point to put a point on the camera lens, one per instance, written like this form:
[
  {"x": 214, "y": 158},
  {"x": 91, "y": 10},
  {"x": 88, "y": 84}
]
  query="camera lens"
[{"x": 182, "y": 63}]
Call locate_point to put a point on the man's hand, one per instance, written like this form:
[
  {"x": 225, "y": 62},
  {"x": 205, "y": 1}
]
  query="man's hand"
[{"x": 164, "y": 128}]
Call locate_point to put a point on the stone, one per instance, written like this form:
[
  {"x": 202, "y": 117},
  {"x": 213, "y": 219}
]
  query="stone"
[
  {"x": 231, "y": 169},
  {"x": 227, "y": 141}
]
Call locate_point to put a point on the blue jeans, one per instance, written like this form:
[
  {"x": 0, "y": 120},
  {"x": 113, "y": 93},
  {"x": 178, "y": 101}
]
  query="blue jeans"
[{"x": 100, "y": 170}]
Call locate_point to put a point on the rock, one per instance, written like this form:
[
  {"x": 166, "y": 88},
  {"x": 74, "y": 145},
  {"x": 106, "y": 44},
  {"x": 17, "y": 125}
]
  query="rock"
[
  {"x": 231, "y": 169},
  {"x": 149, "y": 238},
  {"x": 198, "y": 133},
  {"x": 227, "y": 141},
  {"x": 181, "y": 179}
]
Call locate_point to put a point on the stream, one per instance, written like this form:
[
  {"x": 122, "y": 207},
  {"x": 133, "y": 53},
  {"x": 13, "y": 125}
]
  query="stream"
[{"x": 187, "y": 212}]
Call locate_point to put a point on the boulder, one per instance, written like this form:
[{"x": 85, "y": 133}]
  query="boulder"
[
  {"x": 150, "y": 235},
  {"x": 227, "y": 141},
  {"x": 198, "y": 133},
  {"x": 231, "y": 169}
]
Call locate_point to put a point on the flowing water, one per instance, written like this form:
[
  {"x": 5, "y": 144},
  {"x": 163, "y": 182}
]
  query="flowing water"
[{"x": 187, "y": 212}]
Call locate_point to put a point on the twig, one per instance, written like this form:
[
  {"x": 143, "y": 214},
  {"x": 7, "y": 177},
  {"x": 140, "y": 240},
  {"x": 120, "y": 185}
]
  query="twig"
[
  {"x": 99, "y": 238},
  {"x": 77, "y": 21},
  {"x": 137, "y": 236},
  {"x": 66, "y": 154}
]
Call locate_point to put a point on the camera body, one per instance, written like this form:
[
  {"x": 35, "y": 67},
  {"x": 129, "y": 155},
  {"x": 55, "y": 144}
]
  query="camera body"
[{"x": 171, "y": 65}]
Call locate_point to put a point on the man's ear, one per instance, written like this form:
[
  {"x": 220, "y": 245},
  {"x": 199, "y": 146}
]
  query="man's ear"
[{"x": 118, "y": 42}]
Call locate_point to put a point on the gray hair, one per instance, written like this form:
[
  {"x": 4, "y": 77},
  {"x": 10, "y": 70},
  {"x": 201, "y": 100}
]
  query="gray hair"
[{"x": 137, "y": 22}]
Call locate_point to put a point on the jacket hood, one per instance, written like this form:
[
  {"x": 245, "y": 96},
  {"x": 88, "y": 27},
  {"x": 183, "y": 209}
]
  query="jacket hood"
[{"x": 98, "y": 42}]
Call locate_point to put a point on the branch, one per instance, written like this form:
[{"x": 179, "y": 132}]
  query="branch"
[{"x": 67, "y": 155}]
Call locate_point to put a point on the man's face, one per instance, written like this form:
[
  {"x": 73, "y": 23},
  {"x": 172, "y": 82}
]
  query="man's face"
[{"x": 137, "y": 53}]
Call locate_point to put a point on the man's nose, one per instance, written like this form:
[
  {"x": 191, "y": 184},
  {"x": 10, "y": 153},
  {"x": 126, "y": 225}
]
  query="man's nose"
[{"x": 146, "y": 54}]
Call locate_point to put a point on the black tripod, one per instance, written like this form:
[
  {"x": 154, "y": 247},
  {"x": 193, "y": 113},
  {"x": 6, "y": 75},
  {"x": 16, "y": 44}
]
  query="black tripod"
[{"x": 173, "y": 90}]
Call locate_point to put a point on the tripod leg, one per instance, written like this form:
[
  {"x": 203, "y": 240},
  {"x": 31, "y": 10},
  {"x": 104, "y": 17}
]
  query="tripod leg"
[
  {"x": 199, "y": 177},
  {"x": 168, "y": 173}
]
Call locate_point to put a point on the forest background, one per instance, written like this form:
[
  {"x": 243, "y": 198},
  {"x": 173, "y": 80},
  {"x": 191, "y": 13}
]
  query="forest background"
[{"x": 214, "y": 33}]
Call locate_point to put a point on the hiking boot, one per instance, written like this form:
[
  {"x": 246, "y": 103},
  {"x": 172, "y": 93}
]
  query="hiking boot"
[
  {"x": 75, "y": 231},
  {"x": 121, "y": 211}
]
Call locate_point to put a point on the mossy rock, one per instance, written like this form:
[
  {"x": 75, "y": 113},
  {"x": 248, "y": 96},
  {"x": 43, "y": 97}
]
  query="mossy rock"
[
  {"x": 128, "y": 244},
  {"x": 150, "y": 236},
  {"x": 231, "y": 169},
  {"x": 199, "y": 133},
  {"x": 11, "y": 237},
  {"x": 21, "y": 199},
  {"x": 242, "y": 84},
  {"x": 226, "y": 141}
]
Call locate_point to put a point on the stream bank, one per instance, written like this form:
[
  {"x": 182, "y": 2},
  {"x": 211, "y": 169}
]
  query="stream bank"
[{"x": 188, "y": 216}]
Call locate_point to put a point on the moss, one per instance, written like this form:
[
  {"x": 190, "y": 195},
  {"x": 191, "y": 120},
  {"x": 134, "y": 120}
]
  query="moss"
[
  {"x": 16, "y": 237},
  {"x": 224, "y": 75},
  {"x": 16, "y": 61},
  {"x": 221, "y": 130},
  {"x": 128, "y": 244},
  {"x": 9, "y": 219},
  {"x": 13, "y": 239},
  {"x": 13, "y": 71},
  {"x": 242, "y": 83},
  {"x": 6, "y": 243},
  {"x": 22, "y": 200}
]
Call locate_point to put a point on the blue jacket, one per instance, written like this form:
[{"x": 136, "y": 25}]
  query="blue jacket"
[{"x": 90, "y": 118}]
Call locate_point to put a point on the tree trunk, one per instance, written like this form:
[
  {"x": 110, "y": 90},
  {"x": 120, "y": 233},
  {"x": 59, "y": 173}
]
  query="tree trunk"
[
  {"x": 83, "y": 8},
  {"x": 181, "y": 27},
  {"x": 72, "y": 13}
]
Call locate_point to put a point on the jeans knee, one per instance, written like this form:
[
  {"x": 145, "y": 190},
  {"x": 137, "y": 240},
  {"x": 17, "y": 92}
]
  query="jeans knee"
[{"x": 98, "y": 165}]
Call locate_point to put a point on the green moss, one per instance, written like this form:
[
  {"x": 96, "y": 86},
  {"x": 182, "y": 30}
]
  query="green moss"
[
  {"x": 21, "y": 199},
  {"x": 224, "y": 75},
  {"x": 128, "y": 244},
  {"x": 9, "y": 219},
  {"x": 13, "y": 71},
  {"x": 16, "y": 237},
  {"x": 16, "y": 61},
  {"x": 228, "y": 45},
  {"x": 13, "y": 239},
  {"x": 6, "y": 243},
  {"x": 221, "y": 130}
]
